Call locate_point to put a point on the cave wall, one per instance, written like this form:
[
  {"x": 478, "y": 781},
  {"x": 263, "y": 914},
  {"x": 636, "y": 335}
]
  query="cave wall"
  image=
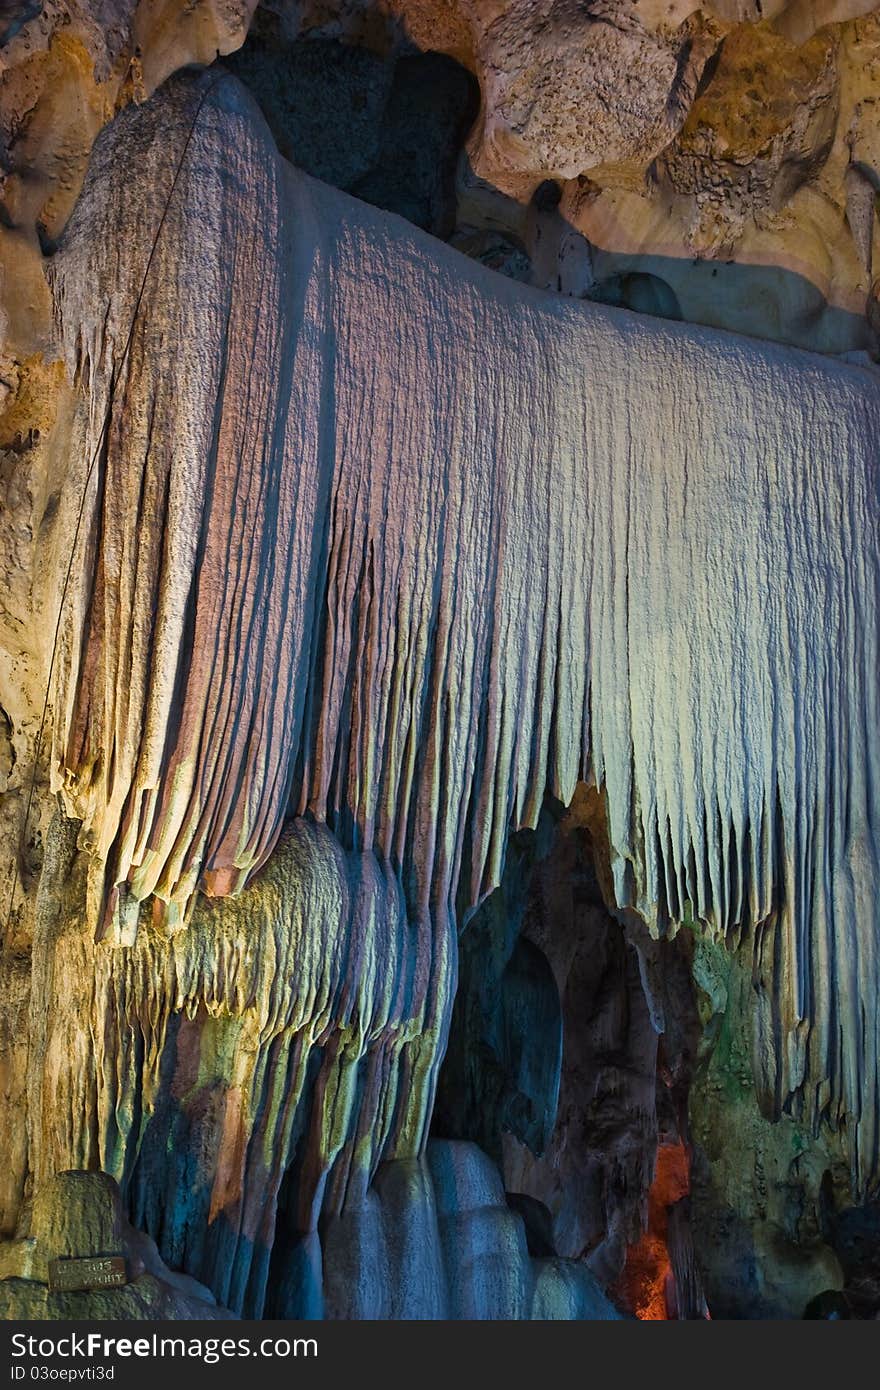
[
  {"x": 380, "y": 548},
  {"x": 722, "y": 157}
]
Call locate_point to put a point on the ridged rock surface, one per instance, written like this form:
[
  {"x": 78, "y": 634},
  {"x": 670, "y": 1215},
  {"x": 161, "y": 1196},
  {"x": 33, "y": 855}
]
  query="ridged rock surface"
[
  {"x": 383, "y": 538},
  {"x": 289, "y": 1036}
]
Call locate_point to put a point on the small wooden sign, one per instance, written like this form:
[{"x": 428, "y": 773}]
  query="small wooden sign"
[{"x": 90, "y": 1272}]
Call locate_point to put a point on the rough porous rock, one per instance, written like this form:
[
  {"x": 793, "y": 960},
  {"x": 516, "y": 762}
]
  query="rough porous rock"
[
  {"x": 763, "y": 126},
  {"x": 437, "y": 1239},
  {"x": 565, "y": 88},
  {"x": 398, "y": 120},
  {"x": 66, "y": 66},
  {"x": 552, "y": 1064},
  {"x": 250, "y": 1072},
  {"x": 763, "y": 1192},
  {"x": 569, "y": 85}
]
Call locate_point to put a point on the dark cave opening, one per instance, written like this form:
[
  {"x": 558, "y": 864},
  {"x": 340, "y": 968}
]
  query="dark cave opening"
[
  {"x": 555, "y": 1066},
  {"x": 386, "y": 124}
]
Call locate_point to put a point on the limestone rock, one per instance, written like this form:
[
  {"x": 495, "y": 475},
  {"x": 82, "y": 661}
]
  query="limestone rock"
[
  {"x": 80, "y": 1214},
  {"x": 567, "y": 1291},
  {"x": 763, "y": 125},
  {"x": 436, "y": 1239},
  {"x": 252, "y": 1071},
  {"x": 873, "y": 314},
  {"x": 495, "y": 250},
  {"x": 568, "y": 86},
  {"x": 298, "y": 84},
  {"x": 610, "y": 83},
  {"x": 399, "y": 551},
  {"x": 860, "y": 212},
  {"x": 332, "y": 720},
  {"x": 798, "y": 20},
  {"x": 398, "y": 121},
  {"x": 145, "y": 1299},
  {"x": 574, "y": 1122},
  {"x": 561, "y": 257},
  {"x": 760, "y": 1187}
]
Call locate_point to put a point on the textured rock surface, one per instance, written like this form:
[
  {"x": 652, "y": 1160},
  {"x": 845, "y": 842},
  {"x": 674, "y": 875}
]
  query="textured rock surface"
[
  {"x": 287, "y": 1036},
  {"x": 398, "y": 121},
  {"x": 78, "y": 1214},
  {"x": 649, "y": 574},
  {"x": 552, "y": 1061},
  {"x": 743, "y": 212},
  {"x": 438, "y": 1240},
  {"x": 749, "y": 114},
  {"x": 577, "y": 1124},
  {"x": 569, "y": 86},
  {"x": 400, "y": 547},
  {"x": 764, "y": 125},
  {"x": 268, "y": 1139},
  {"x": 596, "y": 1167},
  {"x": 759, "y": 1188}
]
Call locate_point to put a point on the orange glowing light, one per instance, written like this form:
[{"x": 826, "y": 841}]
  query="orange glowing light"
[{"x": 647, "y": 1285}]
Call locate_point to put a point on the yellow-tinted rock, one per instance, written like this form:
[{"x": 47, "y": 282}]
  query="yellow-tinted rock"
[{"x": 764, "y": 124}]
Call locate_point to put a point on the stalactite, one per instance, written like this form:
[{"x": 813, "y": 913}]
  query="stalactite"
[
  {"x": 382, "y": 537},
  {"x": 310, "y": 1006}
]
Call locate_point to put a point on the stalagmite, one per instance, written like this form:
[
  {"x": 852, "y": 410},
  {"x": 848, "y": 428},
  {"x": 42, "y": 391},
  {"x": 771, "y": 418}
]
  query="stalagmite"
[{"x": 386, "y": 541}]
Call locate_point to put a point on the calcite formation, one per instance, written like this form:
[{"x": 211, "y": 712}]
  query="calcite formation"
[
  {"x": 711, "y": 132},
  {"x": 397, "y": 655},
  {"x": 552, "y": 1062},
  {"x": 79, "y": 1214},
  {"x": 300, "y": 622}
]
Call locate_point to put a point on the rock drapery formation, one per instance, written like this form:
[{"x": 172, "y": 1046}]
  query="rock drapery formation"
[
  {"x": 404, "y": 555},
  {"x": 715, "y": 148},
  {"x": 382, "y": 559},
  {"x": 260, "y": 1084}
]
